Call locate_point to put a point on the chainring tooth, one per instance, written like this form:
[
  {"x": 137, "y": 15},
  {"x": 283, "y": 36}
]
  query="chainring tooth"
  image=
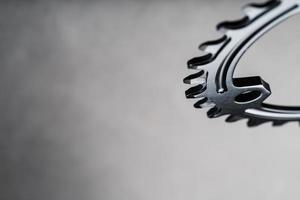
[
  {"x": 197, "y": 78},
  {"x": 233, "y": 25},
  {"x": 197, "y": 62},
  {"x": 195, "y": 92},
  {"x": 253, "y": 122},
  {"x": 202, "y": 103},
  {"x": 213, "y": 46},
  {"x": 255, "y": 9},
  {"x": 279, "y": 123},
  {"x": 234, "y": 118},
  {"x": 214, "y": 112}
]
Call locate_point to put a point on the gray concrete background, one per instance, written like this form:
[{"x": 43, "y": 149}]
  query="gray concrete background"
[{"x": 92, "y": 105}]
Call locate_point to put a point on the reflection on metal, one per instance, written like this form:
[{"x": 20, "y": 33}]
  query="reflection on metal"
[{"x": 240, "y": 98}]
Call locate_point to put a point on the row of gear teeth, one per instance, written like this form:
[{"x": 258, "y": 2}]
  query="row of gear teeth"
[
  {"x": 253, "y": 122},
  {"x": 212, "y": 49}
]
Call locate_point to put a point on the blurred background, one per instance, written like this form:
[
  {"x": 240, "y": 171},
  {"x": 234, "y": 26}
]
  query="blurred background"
[{"x": 92, "y": 105}]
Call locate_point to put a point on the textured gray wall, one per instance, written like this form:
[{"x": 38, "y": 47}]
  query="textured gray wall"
[{"x": 92, "y": 105}]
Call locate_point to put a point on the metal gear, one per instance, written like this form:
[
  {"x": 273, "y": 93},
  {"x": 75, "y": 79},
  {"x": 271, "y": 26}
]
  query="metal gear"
[{"x": 240, "y": 98}]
